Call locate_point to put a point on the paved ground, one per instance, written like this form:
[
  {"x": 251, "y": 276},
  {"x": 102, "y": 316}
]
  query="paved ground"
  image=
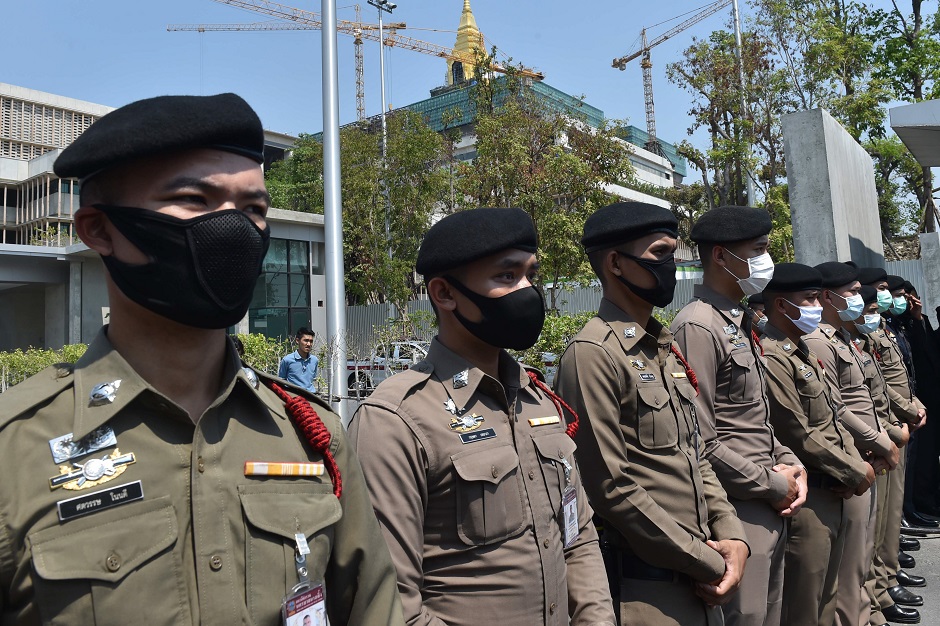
[{"x": 928, "y": 566}]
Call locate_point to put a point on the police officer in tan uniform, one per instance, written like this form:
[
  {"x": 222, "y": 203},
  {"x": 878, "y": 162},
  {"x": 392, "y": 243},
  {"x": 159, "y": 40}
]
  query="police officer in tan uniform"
[
  {"x": 882, "y": 585},
  {"x": 843, "y": 366},
  {"x": 677, "y": 549},
  {"x": 467, "y": 455},
  {"x": 765, "y": 481},
  {"x": 158, "y": 473},
  {"x": 913, "y": 414},
  {"x": 805, "y": 419}
]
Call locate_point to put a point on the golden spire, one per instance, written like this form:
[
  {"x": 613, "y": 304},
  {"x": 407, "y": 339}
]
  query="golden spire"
[{"x": 469, "y": 41}]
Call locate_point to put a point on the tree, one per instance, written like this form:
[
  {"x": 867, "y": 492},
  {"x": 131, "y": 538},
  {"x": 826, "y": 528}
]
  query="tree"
[
  {"x": 379, "y": 265},
  {"x": 542, "y": 158},
  {"x": 909, "y": 59}
]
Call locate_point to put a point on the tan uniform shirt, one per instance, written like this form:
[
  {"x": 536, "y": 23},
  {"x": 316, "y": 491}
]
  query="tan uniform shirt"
[
  {"x": 467, "y": 475},
  {"x": 205, "y": 544},
  {"x": 803, "y": 413},
  {"x": 849, "y": 392},
  {"x": 735, "y": 420},
  {"x": 639, "y": 444},
  {"x": 903, "y": 403},
  {"x": 879, "y": 389}
]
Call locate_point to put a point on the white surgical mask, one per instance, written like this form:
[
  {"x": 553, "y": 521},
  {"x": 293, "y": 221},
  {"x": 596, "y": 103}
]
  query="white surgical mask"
[
  {"x": 872, "y": 322},
  {"x": 809, "y": 318},
  {"x": 884, "y": 300},
  {"x": 854, "y": 307},
  {"x": 899, "y": 305},
  {"x": 761, "y": 270},
  {"x": 761, "y": 324}
]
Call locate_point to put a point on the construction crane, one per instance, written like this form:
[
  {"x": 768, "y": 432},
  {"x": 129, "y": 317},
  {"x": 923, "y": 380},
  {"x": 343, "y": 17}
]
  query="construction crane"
[
  {"x": 356, "y": 32},
  {"x": 394, "y": 40},
  {"x": 621, "y": 63}
]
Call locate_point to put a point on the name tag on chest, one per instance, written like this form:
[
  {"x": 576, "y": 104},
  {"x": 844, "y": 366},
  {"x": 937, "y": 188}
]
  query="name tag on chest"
[
  {"x": 100, "y": 500},
  {"x": 478, "y": 435}
]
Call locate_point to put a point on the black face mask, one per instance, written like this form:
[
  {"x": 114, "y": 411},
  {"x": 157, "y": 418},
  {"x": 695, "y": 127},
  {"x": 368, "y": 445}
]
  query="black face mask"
[
  {"x": 665, "y": 273},
  {"x": 512, "y": 321},
  {"x": 202, "y": 271}
]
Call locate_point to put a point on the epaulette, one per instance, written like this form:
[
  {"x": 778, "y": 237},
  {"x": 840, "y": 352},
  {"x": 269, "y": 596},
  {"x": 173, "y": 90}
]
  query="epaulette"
[
  {"x": 394, "y": 389},
  {"x": 829, "y": 332},
  {"x": 538, "y": 373},
  {"x": 35, "y": 390}
]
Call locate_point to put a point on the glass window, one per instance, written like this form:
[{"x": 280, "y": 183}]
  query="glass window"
[
  {"x": 271, "y": 322},
  {"x": 299, "y": 318},
  {"x": 276, "y": 258},
  {"x": 299, "y": 256},
  {"x": 299, "y": 290}
]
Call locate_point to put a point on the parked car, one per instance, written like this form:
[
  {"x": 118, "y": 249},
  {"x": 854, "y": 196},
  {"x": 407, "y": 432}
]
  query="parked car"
[{"x": 386, "y": 360}]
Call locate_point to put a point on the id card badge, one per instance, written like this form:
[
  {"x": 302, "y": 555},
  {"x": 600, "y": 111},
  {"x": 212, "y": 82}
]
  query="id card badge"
[
  {"x": 569, "y": 508},
  {"x": 305, "y": 606}
]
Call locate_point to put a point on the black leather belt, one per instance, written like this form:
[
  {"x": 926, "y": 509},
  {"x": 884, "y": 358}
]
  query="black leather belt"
[
  {"x": 638, "y": 569},
  {"x": 823, "y": 481}
]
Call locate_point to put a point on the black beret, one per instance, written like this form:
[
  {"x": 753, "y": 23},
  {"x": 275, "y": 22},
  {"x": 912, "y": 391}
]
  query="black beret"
[
  {"x": 869, "y": 294},
  {"x": 164, "y": 124},
  {"x": 894, "y": 282},
  {"x": 835, "y": 274},
  {"x": 470, "y": 235},
  {"x": 871, "y": 275},
  {"x": 852, "y": 264},
  {"x": 727, "y": 224},
  {"x": 625, "y": 221},
  {"x": 909, "y": 287},
  {"x": 757, "y": 298},
  {"x": 790, "y": 277}
]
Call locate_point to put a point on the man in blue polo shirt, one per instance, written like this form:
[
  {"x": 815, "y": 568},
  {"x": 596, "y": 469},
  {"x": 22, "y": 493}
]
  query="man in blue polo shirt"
[{"x": 300, "y": 367}]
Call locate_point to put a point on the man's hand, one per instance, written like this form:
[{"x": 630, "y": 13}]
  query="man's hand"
[
  {"x": 795, "y": 474},
  {"x": 905, "y": 436},
  {"x": 720, "y": 591},
  {"x": 894, "y": 457},
  {"x": 915, "y": 307},
  {"x": 866, "y": 483},
  {"x": 921, "y": 420},
  {"x": 790, "y": 472}
]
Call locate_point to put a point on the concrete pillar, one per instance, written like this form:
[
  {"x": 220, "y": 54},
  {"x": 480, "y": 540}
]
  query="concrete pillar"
[
  {"x": 74, "y": 332},
  {"x": 930, "y": 261},
  {"x": 833, "y": 202},
  {"x": 56, "y": 305}
]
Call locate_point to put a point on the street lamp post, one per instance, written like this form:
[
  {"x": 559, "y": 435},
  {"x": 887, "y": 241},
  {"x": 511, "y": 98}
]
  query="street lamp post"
[{"x": 386, "y": 7}]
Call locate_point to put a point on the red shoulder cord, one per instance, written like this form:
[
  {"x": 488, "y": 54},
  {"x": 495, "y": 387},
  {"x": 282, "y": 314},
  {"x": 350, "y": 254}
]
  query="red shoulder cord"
[
  {"x": 821, "y": 364},
  {"x": 688, "y": 368},
  {"x": 313, "y": 428},
  {"x": 572, "y": 428},
  {"x": 757, "y": 342}
]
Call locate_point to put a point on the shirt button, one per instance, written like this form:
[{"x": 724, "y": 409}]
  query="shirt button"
[
  {"x": 215, "y": 562},
  {"x": 552, "y": 607},
  {"x": 545, "y": 543},
  {"x": 113, "y": 562},
  {"x": 495, "y": 472},
  {"x": 531, "y": 475},
  {"x": 200, "y": 465}
]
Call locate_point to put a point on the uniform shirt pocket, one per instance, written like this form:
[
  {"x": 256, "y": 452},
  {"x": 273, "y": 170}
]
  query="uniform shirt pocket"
[
  {"x": 850, "y": 372},
  {"x": 109, "y": 565},
  {"x": 274, "y": 513},
  {"x": 490, "y": 502},
  {"x": 552, "y": 449},
  {"x": 741, "y": 386},
  {"x": 657, "y": 427},
  {"x": 814, "y": 402}
]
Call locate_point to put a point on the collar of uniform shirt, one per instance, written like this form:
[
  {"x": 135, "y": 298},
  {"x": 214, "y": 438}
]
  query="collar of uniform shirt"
[
  {"x": 619, "y": 321},
  {"x": 706, "y": 293},
  {"x": 448, "y": 363}
]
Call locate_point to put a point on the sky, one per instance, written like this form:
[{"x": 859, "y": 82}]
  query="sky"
[{"x": 113, "y": 52}]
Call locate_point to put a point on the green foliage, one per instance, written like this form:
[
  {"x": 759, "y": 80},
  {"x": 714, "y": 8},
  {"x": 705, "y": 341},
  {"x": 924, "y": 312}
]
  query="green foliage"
[
  {"x": 378, "y": 264},
  {"x": 265, "y": 353},
  {"x": 19, "y": 365},
  {"x": 532, "y": 156},
  {"x": 52, "y": 236},
  {"x": 556, "y": 334}
]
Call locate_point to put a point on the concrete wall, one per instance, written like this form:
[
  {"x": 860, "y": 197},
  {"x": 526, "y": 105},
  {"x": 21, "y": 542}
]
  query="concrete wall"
[
  {"x": 20, "y": 326},
  {"x": 94, "y": 290},
  {"x": 833, "y": 201}
]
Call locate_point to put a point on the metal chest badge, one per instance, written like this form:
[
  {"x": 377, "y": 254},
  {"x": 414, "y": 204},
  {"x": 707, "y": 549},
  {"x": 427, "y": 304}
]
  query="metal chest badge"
[
  {"x": 64, "y": 448},
  {"x": 735, "y": 312},
  {"x": 629, "y": 333},
  {"x": 466, "y": 423},
  {"x": 92, "y": 472},
  {"x": 461, "y": 379},
  {"x": 103, "y": 393},
  {"x": 638, "y": 364}
]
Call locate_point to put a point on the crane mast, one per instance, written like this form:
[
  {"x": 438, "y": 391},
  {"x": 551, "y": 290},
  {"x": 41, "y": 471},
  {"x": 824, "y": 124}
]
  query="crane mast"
[{"x": 646, "y": 64}]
